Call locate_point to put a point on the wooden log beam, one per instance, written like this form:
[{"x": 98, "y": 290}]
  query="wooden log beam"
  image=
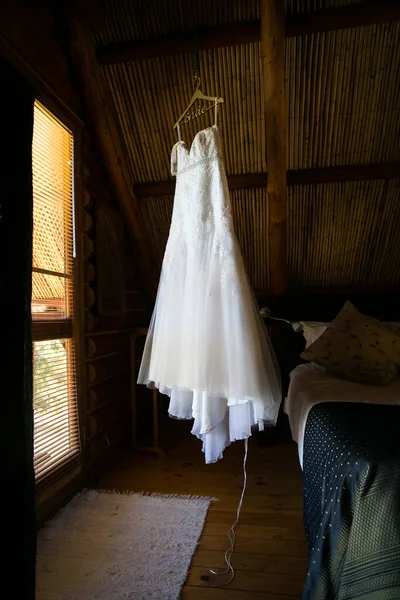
[
  {"x": 167, "y": 188},
  {"x": 180, "y": 42},
  {"x": 27, "y": 41},
  {"x": 100, "y": 112},
  {"x": 273, "y": 80},
  {"x": 89, "y": 12},
  {"x": 263, "y": 296},
  {"x": 371, "y": 12},
  {"x": 342, "y": 17},
  {"x": 387, "y": 170}
]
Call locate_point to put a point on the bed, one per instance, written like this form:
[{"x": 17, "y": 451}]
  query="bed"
[{"x": 348, "y": 437}]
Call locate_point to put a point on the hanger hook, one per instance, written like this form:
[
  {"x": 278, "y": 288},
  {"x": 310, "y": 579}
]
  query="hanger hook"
[{"x": 196, "y": 82}]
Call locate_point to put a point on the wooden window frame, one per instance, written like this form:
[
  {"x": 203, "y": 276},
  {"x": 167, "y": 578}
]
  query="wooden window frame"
[
  {"x": 49, "y": 490},
  {"x": 65, "y": 105}
]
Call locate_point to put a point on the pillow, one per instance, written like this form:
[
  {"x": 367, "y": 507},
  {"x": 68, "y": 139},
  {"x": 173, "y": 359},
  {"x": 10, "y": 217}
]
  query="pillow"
[
  {"x": 357, "y": 348},
  {"x": 311, "y": 330},
  {"x": 392, "y": 325}
]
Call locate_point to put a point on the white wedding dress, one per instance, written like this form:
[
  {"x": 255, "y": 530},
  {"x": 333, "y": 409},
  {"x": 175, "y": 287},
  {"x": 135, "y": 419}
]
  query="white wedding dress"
[{"x": 207, "y": 347}]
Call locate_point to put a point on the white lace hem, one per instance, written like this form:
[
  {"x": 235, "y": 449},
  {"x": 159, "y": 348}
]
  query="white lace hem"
[{"x": 218, "y": 420}]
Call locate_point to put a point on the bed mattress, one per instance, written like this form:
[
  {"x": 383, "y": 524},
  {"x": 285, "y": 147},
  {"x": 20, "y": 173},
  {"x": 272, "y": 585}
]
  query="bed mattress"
[
  {"x": 310, "y": 385},
  {"x": 350, "y": 451}
]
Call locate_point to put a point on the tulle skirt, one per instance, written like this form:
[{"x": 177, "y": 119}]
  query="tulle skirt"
[{"x": 207, "y": 347}]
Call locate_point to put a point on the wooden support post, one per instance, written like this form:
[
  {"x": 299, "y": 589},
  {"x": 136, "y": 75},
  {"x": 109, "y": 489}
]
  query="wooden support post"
[{"x": 273, "y": 65}]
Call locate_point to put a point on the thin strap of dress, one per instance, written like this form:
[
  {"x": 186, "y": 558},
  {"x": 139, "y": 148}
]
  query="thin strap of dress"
[
  {"x": 216, "y": 111},
  {"x": 179, "y": 132},
  {"x": 174, "y": 159}
]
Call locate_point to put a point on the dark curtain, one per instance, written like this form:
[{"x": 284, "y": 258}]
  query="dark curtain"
[{"x": 18, "y": 493}]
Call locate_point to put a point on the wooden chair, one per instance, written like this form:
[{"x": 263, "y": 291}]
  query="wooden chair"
[{"x": 155, "y": 448}]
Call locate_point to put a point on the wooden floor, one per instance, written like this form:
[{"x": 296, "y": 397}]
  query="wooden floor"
[{"x": 270, "y": 559}]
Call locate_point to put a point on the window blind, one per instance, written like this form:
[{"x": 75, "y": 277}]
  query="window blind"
[
  {"x": 56, "y": 427},
  {"x": 53, "y": 237}
]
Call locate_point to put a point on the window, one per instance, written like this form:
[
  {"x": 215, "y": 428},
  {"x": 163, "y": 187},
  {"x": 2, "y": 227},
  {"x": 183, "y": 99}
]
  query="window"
[{"x": 56, "y": 429}]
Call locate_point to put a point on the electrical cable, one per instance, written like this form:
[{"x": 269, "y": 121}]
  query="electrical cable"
[{"x": 232, "y": 533}]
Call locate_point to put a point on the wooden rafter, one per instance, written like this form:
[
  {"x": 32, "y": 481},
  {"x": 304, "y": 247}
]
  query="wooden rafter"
[
  {"x": 167, "y": 188},
  {"x": 91, "y": 13},
  {"x": 26, "y": 40},
  {"x": 370, "y": 12},
  {"x": 367, "y": 13},
  {"x": 263, "y": 296},
  {"x": 100, "y": 113},
  {"x": 386, "y": 170},
  {"x": 273, "y": 80}
]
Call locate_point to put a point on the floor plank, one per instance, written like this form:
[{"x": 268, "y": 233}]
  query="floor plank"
[
  {"x": 263, "y": 532},
  {"x": 255, "y": 546},
  {"x": 249, "y": 581},
  {"x": 270, "y": 558},
  {"x": 260, "y": 563},
  {"x": 201, "y": 593}
]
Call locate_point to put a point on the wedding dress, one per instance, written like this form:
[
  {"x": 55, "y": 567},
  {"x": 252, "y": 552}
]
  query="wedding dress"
[{"x": 207, "y": 347}]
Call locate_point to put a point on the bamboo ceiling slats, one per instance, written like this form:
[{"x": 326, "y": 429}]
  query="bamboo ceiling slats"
[
  {"x": 344, "y": 234},
  {"x": 157, "y": 213},
  {"x": 303, "y": 6},
  {"x": 339, "y": 234},
  {"x": 342, "y": 95},
  {"x": 343, "y": 105},
  {"x": 250, "y": 217},
  {"x": 343, "y": 110},
  {"x": 155, "y": 18},
  {"x": 152, "y": 18},
  {"x": 131, "y": 34},
  {"x": 148, "y": 97},
  {"x": 241, "y": 32}
]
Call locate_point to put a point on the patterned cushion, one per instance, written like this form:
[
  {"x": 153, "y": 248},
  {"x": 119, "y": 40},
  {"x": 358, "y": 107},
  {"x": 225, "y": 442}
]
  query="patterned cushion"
[
  {"x": 394, "y": 326},
  {"x": 357, "y": 348},
  {"x": 312, "y": 330}
]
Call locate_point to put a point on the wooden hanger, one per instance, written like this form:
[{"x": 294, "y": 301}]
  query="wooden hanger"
[{"x": 198, "y": 95}]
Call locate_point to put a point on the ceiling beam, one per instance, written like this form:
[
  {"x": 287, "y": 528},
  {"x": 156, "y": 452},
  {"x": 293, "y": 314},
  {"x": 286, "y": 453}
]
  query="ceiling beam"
[
  {"x": 370, "y": 12},
  {"x": 167, "y": 188},
  {"x": 100, "y": 114},
  {"x": 27, "y": 41},
  {"x": 91, "y": 13},
  {"x": 388, "y": 170},
  {"x": 273, "y": 80},
  {"x": 263, "y": 296},
  {"x": 180, "y": 42}
]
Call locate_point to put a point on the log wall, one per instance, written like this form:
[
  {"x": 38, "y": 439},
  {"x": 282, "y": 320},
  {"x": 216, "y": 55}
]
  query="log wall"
[
  {"x": 107, "y": 367},
  {"x": 30, "y": 39}
]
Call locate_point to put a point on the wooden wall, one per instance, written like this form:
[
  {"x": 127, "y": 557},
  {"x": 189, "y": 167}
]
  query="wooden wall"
[
  {"x": 107, "y": 372},
  {"x": 29, "y": 40}
]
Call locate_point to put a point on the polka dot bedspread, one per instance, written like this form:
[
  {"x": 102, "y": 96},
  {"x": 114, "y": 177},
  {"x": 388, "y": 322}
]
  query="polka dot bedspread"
[{"x": 351, "y": 471}]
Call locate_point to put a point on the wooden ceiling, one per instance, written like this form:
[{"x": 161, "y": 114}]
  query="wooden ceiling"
[{"x": 342, "y": 81}]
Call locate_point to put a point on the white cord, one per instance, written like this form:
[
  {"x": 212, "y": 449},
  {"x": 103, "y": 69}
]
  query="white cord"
[
  {"x": 232, "y": 533},
  {"x": 266, "y": 314}
]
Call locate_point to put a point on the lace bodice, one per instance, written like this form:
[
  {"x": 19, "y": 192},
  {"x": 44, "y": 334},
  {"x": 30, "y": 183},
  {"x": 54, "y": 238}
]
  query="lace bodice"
[
  {"x": 205, "y": 148},
  {"x": 202, "y": 212}
]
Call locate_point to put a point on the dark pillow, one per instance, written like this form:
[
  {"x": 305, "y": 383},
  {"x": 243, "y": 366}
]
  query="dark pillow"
[{"x": 357, "y": 348}]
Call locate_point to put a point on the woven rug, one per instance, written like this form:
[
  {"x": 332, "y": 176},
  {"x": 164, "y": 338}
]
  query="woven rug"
[{"x": 116, "y": 546}]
